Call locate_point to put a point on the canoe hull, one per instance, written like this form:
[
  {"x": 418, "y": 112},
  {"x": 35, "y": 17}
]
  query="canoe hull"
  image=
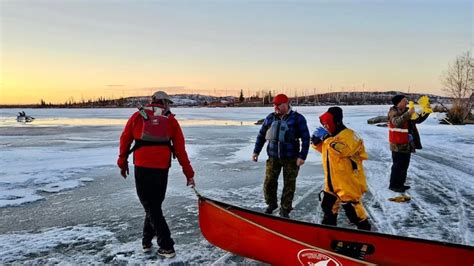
[{"x": 280, "y": 241}]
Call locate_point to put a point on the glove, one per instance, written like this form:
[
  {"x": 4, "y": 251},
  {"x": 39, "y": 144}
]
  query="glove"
[
  {"x": 319, "y": 135},
  {"x": 122, "y": 162},
  {"x": 315, "y": 140},
  {"x": 124, "y": 171},
  {"x": 123, "y": 165},
  {"x": 424, "y": 102},
  {"x": 411, "y": 105}
]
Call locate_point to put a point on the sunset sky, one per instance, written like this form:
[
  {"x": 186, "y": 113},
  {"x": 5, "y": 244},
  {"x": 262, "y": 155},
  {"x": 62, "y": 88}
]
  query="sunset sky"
[{"x": 60, "y": 50}]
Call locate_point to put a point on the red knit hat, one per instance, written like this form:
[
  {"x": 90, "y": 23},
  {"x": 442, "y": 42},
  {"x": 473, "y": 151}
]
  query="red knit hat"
[{"x": 280, "y": 98}]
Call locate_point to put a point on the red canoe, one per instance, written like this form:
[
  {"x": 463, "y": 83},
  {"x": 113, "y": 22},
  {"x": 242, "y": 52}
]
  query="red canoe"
[{"x": 281, "y": 241}]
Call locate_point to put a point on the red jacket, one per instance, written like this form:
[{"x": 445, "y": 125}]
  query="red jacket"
[{"x": 154, "y": 156}]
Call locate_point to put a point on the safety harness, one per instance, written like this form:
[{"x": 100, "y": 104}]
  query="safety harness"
[
  {"x": 279, "y": 130},
  {"x": 398, "y": 135},
  {"x": 154, "y": 130}
]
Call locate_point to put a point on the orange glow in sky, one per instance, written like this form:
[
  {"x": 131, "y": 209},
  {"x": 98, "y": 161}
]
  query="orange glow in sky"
[{"x": 73, "y": 50}]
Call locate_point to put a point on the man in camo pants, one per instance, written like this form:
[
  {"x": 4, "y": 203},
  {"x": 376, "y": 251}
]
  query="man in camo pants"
[{"x": 283, "y": 129}]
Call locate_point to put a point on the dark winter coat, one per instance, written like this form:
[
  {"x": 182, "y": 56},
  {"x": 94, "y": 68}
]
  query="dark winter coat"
[
  {"x": 297, "y": 127},
  {"x": 398, "y": 118}
]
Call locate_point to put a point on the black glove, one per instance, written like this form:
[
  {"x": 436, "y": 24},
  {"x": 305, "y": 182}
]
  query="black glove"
[
  {"x": 319, "y": 135},
  {"x": 315, "y": 140}
]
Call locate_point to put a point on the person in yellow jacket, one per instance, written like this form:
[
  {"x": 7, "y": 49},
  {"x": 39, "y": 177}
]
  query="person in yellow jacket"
[{"x": 344, "y": 181}]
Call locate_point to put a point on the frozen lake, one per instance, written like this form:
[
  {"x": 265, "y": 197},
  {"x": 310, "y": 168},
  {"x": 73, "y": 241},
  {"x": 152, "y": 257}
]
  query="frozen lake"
[{"x": 62, "y": 198}]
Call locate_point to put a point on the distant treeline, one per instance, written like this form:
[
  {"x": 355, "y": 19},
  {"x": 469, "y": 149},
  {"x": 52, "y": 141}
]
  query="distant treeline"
[
  {"x": 341, "y": 98},
  {"x": 100, "y": 102},
  {"x": 264, "y": 99}
]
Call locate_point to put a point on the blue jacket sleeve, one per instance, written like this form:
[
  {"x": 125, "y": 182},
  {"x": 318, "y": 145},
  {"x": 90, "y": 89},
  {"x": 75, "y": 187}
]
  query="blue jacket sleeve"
[
  {"x": 261, "y": 134},
  {"x": 304, "y": 135}
]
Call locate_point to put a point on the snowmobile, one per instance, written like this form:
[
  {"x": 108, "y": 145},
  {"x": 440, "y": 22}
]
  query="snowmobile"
[{"x": 23, "y": 118}]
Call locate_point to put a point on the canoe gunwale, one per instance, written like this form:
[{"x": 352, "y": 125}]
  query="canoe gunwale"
[
  {"x": 288, "y": 238},
  {"x": 228, "y": 207}
]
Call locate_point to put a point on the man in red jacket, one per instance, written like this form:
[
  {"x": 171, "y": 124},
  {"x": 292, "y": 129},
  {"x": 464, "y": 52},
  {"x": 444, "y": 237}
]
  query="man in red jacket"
[
  {"x": 157, "y": 136},
  {"x": 404, "y": 139}
]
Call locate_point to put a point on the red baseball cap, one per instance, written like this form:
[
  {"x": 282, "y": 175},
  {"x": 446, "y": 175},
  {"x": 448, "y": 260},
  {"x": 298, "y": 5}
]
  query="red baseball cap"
[{"x": 280, "y": 98}]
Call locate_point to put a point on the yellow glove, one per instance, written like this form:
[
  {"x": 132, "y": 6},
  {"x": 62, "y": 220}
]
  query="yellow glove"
[
  {"x": 401, "y": 198},
  {"x": 411, "y": 104},
  {"x": 424, "y": 102}
]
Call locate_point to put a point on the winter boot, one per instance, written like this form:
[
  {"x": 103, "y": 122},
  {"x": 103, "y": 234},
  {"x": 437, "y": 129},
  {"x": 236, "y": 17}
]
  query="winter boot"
[
  {"x": 364, "y": 225},
  {"x": 271, "y": 208},
  {"x": 166, "y": 253},
  {"x": 146, "y": 245},
  {"x": 329, "y": 219},
  {"x": 284, "y": 214}
]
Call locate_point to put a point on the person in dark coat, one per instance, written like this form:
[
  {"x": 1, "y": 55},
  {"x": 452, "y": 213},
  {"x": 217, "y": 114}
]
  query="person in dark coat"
[
  {"x": 283, "y": 129},
  {"x": 404, "y": 139}
]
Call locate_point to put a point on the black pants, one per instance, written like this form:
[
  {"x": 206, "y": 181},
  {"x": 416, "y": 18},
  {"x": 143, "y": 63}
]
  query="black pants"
[
  {"x": 151, "y": 186},
  {"x": 401, "y": 161},
  {"x": 355, "y": 212}
]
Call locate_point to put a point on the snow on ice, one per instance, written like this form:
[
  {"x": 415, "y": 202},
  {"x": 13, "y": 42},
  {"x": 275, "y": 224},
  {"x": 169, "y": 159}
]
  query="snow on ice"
[{"x": 62, "y": 198}]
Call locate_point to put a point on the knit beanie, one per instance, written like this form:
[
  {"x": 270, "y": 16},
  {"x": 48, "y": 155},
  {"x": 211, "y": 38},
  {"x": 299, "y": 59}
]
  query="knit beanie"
[
  {"x": 336, "y": 113},
  {"x": 397, "y": 98}
]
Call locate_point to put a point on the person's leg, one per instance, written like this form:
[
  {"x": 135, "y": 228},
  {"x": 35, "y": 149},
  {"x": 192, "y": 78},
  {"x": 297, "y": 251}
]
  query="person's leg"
[
  {"x": 404, "y": 163},
  {"x": 270, "y": 185},
  {"x": 356, "y": 214},
  {"x": 158, "y": 221},
  {"x": 330, "y": 207},
  {"x": 144, "y": 192},
  {"x": 148, "y": 232},
  {"x": 396, "y": 175},
  {"x": 290, "y": 172}
]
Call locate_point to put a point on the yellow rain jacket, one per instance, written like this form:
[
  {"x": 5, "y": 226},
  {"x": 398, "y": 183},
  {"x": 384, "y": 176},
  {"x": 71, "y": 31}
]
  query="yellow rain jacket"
[{"x": 342, "y": 157}]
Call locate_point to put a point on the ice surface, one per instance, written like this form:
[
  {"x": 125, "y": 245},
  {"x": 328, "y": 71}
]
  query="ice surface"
[{"x": 59, "y": 182}]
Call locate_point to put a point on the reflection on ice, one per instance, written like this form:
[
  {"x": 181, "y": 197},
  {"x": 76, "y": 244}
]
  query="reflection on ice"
[
  {"x": 115, "y": 122},
  {"x": 213, "y": 122},
  {"x": 61, "y": 121}
]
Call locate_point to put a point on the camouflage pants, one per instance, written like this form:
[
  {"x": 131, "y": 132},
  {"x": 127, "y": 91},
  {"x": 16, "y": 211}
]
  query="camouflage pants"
[{"x": 270, "y": 186}]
